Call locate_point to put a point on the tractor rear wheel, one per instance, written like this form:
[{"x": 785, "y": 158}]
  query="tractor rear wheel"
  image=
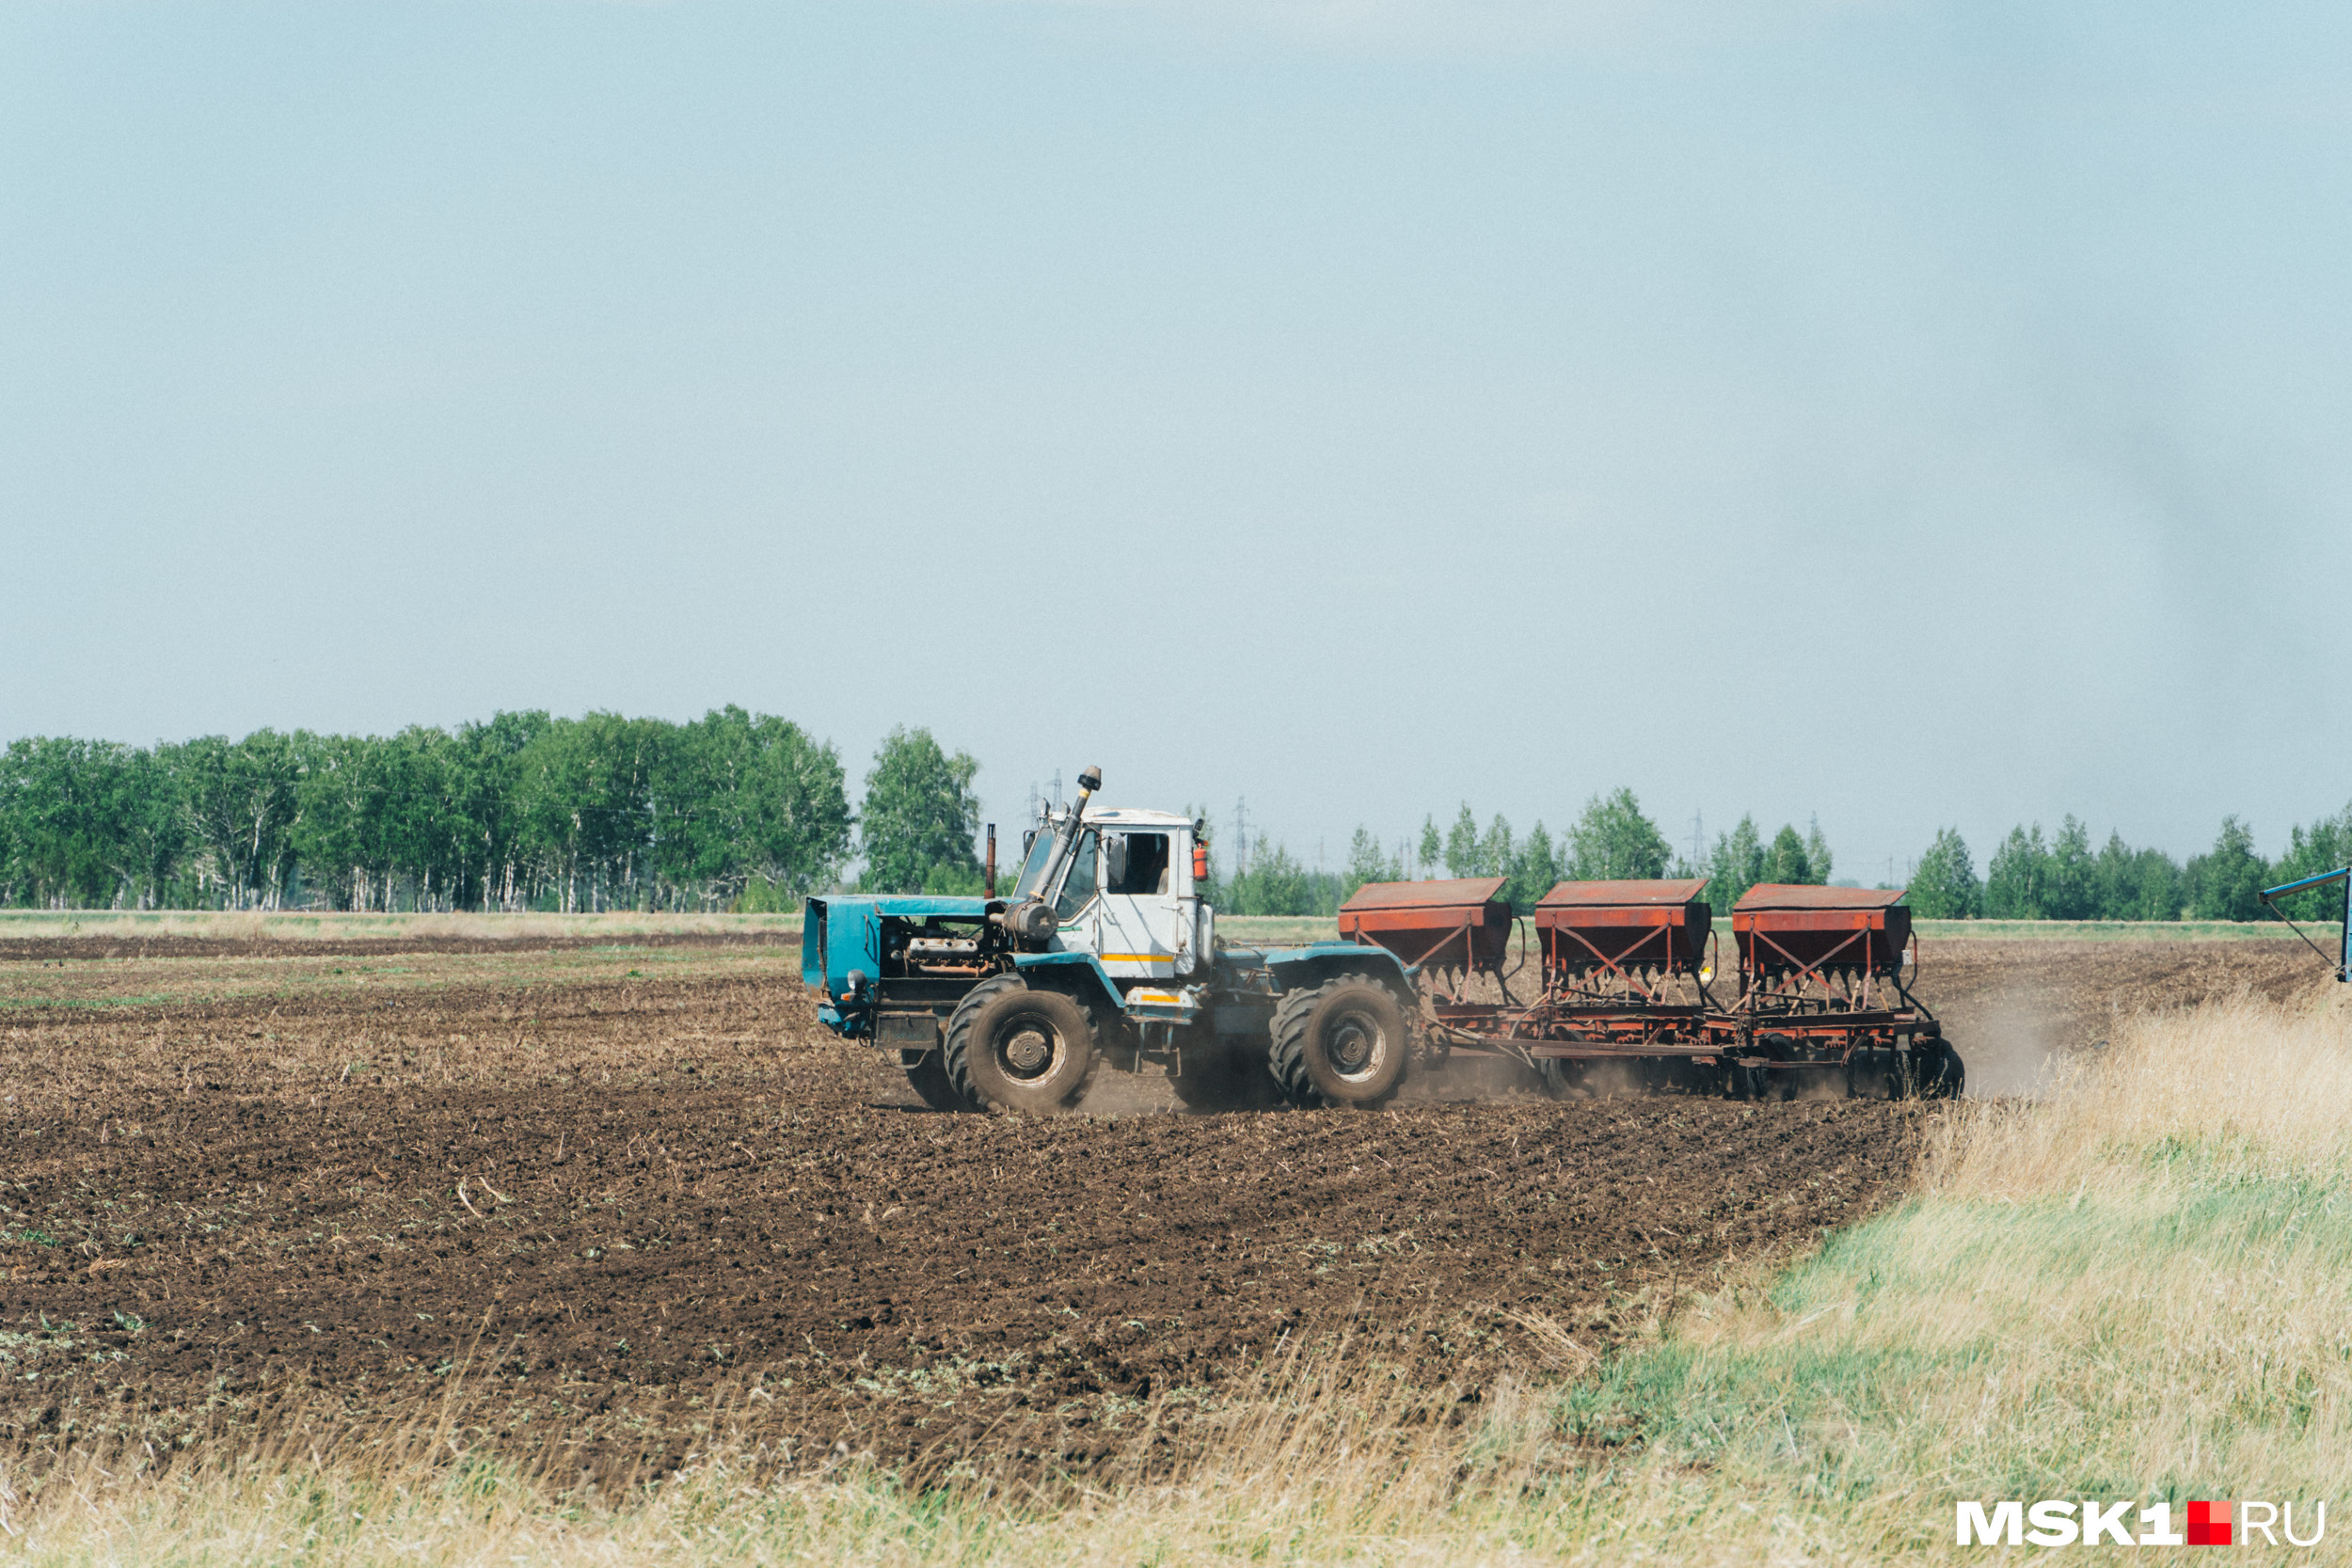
[
  {"x": 1342, "y": 1042},
  {"x": 927, "y": 1076},
  {"x": 1013, "y": 1046}
]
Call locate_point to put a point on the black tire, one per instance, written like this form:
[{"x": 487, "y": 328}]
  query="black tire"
[
  {"x": 927, "y": 1076},
  {"x": 1015, "y": 1047},
  {"x": 1565, "y": 1080},
  {"x": 1942, "y": 1074},
  {"x": 956, "y": 1051},
  {"x": 1872, "y": 1072},
  {"x": 1222, "y": 1077},
  {"x": 1342, "y": 1042},
  {"x": 1776, "y": 1083}
]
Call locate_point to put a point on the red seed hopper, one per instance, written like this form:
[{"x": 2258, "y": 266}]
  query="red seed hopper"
[
  {"x": 1629, "y": 937},
  {"x": 1822, "y": 996},
  {"x": 1462, "y": 924},
  {"x": 1790, "y": 934}
]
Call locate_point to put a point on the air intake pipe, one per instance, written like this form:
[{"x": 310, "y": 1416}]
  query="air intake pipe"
[{"x": 1031, "y": 922}]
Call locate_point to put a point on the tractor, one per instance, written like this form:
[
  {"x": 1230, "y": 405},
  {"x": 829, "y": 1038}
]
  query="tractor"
[{"x": 1104, "y": 952}]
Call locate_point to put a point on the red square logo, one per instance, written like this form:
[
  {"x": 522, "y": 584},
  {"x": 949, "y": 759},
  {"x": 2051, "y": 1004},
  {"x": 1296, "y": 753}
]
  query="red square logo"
[{"x": 2208, "y": 1524}]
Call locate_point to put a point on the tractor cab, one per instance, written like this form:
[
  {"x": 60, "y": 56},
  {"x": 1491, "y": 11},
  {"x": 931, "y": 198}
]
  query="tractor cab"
[{"x": 1124, "y": 892}]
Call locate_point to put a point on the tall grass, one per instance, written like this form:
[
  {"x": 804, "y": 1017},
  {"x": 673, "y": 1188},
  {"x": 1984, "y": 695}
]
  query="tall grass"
[{"x": 2140, "y": 1285}]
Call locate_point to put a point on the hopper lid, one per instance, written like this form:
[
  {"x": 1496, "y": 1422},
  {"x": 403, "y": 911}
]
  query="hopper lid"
[
  {"x": 1454, "y": 893},
  {"x": 1804, "y": 896},
  {"x": 1649, "y": 890}
]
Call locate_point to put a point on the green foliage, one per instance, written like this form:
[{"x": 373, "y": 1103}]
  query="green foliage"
[
  {"x": 2059, "y": 878},
  {"x": 1944, "y": 885},
  {"x": 1613, "y": 840},
  {"x": 1737, "y": 864},
  {"x": 1534, "y": 871},
  {"x": 1367, "y": 864},
  {"x": 2325, "y": 846},
  {"x": 1432, "y": 849},
  {"x": 1275, "y": 883},
  {"x": 86, "y": 823},
  {"x": 1529, "y": 867},
  {"x": 920, "y": 817},
  {"x": 756, "y": 801},
  {"x": 523, "y": 811},
  {"x": 2223, "y": 884},
  {"x": 2068, "y": 890},
  {"x": 2136, "y": 884},
  {"x": 1464, "y": 854},
  {"x": 1787, "y": 861},
  {"x": 1498, "y": 852},
  {"x": 240, "y": 799},
  {"x": 2016, "y": 883}
]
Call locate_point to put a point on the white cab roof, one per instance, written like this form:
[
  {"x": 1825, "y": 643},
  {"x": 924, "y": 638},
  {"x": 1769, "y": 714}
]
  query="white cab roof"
[{"x": 1129, "y": 818}]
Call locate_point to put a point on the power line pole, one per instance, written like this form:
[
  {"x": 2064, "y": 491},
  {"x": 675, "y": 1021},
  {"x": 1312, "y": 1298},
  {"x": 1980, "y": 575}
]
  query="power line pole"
[{"x": 1698, "y": 838}]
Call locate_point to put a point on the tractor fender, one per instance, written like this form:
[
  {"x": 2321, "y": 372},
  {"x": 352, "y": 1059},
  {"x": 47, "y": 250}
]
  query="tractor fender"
[
  {"x": 1301, "y": 968},
  {"x": 1081, "y": 972}
]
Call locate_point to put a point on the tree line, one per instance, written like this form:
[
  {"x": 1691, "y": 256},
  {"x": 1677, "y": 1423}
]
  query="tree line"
[
  {"x": 2031, "y": 876},
  {"x": 1610, "y": 839},
  {"x": 2062, "y": 877},
  {"x": 747, "y": 811},
  {"x": 525, "y": 811}
]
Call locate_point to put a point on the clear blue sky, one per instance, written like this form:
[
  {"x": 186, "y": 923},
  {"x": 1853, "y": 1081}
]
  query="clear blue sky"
[{"x": 1906, "y": 414}]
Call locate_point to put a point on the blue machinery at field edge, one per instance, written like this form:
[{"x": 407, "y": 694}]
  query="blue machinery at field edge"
[{"x": 2344, "y": 951}]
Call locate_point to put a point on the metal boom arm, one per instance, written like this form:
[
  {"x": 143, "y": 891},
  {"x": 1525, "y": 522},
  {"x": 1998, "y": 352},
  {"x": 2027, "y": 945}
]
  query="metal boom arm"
[{"x": 2342, "y": 874}]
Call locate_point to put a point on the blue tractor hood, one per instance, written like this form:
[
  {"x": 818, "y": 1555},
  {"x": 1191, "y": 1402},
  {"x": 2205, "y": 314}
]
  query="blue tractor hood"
[{"x": 840, "y": 933}]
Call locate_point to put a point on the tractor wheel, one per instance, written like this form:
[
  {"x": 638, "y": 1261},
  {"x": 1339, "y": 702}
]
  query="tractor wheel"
[
  {"x": 1942, "y": 1073},
  {"x": 1873, "y": 1072},
  {"x": 1342, "y": 1043},
  {"x": 1565, "y": 1080},
  {"x": 927, "y": 1076},
  {"x": 955, "y": 1052},
  {"x": 1220, "y": 1077},
  {"x": 1760, "y": 1082},
  {"x": 1772, "y": 1084},
  {"x": 1016, "y": 1048}
]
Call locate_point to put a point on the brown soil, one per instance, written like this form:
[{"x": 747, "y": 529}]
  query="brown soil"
[
  {"x": 59, "y": 949},
  {"x": 606, "y": 1214},
  {"x": 2011, "y": 1006}
]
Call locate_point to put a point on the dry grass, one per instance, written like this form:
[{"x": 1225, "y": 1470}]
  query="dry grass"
[{"x": 2136, "y": 1287}]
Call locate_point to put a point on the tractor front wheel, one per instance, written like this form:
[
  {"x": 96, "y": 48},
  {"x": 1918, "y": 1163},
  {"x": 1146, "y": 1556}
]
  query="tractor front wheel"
[
  {"x": 1014, "y": 1048},
  {"x": 1341, "y": 1043}
]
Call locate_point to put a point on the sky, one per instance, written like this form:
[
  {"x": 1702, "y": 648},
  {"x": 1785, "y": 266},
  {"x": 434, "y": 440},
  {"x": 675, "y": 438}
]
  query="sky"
[{"x": 1898, "y": 416}]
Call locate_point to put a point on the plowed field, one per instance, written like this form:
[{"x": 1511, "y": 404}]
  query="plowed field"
[{"x": 595, "y": 1201}]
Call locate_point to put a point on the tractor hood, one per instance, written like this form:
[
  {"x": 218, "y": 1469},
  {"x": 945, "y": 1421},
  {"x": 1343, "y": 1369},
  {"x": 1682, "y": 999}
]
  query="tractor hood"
[{"x": 844, "y": 932}]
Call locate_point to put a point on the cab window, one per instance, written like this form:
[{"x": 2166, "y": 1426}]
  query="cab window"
[
  {"x": 1078, "y": 886},
  {"x": 1134, "y": 864},
  {"x": 1033, "y": 869}
]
